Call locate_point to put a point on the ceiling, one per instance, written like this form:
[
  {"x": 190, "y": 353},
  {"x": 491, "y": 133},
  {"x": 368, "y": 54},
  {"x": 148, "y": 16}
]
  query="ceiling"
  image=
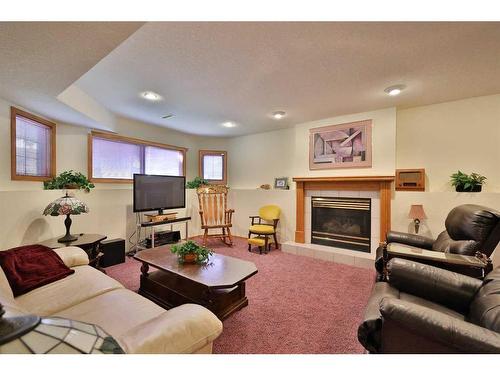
[
  {"x": 212, "y": 72},
  {"x": 39, "y": 60}
]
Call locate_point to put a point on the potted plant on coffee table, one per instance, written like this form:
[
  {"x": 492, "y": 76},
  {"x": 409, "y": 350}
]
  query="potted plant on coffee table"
[
  {"x": 467, "y": 183},
  {"x": 191, "y": 252}
]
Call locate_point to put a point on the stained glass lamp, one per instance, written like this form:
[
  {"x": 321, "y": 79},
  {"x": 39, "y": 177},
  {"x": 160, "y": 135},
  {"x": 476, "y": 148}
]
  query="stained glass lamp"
[
  {"x": 32, "y": 334},
  {"x": 66, "y": 205}
]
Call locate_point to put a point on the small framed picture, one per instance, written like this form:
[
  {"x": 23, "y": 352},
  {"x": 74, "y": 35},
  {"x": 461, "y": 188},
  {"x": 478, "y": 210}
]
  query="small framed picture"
[{"x": 281, "y": 183}]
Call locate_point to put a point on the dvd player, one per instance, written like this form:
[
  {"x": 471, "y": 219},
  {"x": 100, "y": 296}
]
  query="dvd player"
[{"x": 164, "y": 237}]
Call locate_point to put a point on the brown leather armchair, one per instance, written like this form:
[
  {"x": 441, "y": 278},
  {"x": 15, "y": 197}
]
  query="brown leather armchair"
[
  {"x": 425, "y": 309},
  {"x": 472, "y": 234}
]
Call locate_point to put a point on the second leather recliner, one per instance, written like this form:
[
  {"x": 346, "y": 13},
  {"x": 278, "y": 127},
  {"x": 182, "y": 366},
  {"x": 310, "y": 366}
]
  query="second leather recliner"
[
  {"x": 472, "y": 234},
  {"x": 425, "y": 309}
]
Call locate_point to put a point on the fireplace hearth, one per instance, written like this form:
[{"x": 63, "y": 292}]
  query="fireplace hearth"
[{"x": 341, "y": 222}]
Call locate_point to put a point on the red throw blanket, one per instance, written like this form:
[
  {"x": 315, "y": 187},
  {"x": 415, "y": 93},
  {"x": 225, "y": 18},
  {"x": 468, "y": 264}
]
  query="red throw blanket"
[{"x": 30, "y": 267}]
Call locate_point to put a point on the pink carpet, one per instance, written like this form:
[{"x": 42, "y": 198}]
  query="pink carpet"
[{"x": 296, "y": 304}]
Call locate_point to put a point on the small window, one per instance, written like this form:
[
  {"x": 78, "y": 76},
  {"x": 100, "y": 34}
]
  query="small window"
[
  {"x": 113, "y": 158},
  {"x": 213, "y": 166},
  {"x": 33, "y": 147}
]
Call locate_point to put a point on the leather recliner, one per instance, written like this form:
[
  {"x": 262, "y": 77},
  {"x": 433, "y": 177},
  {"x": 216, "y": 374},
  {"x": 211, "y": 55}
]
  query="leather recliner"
[
  {"x": 472, "y": 234},
  {"x": 425, "y": 309}
]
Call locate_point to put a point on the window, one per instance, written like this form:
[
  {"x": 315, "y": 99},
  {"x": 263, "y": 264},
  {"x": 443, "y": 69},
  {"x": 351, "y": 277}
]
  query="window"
[
  {"x": 213, "y": 166},
  {"x": 33, "y": 146},
  {"x": 113, "y": 158}
]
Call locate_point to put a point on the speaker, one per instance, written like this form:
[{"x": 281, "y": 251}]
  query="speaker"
[{"x": 114, "y": 252}]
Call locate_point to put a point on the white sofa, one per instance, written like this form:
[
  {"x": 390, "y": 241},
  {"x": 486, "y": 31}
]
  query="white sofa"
[{"x": 139, "y": 325}]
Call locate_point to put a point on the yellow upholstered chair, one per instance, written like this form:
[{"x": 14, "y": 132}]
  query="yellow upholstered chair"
[
  {"x": 263, "y": 226},
  {"x": 214, "y": 212}
]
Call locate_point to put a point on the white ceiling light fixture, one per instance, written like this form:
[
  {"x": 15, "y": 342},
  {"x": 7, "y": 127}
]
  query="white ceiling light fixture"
[
  {"x": 228, "y": 124},
  {"x": 150, "y": 95},
  {"x": 278, "y": 115},
  {"x": 394, "y": 90}
]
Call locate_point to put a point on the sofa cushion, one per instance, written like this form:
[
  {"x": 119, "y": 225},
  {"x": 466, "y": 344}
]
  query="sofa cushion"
[
  {"x": 184, "y": 329},
  {"x": 11, "y": 306},
  {"x": 117, "y": 311},
  {"x": 32, "y": 266},
  {"x": 85, "y": 283},
  {"x": 72, "y": 256}
]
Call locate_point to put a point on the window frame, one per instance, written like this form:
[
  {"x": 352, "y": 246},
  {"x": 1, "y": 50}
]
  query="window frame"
[
  {"x": 15, "y": 112},
  {"x": 119, "y": 138},
  {"x": 202, "y": 154}
]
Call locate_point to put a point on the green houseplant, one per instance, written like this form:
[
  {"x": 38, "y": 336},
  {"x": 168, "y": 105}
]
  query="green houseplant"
[
  {"x": 196, "y": 183},
  {"x": 191, "y": 252},
  {"x": 69, "y": 180},
  {"x": 467, "y": 183}
]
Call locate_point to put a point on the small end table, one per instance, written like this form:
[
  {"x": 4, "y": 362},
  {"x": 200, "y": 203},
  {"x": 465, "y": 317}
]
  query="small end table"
[{"x": 89, "y": 242}]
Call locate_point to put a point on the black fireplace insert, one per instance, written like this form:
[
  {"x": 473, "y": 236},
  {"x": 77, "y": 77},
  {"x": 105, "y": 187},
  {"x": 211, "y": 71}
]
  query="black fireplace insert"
[{"x": 341, "y": 222}]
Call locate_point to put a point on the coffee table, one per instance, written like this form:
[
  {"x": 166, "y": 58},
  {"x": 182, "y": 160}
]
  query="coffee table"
[{"x": 219, "y": 285}]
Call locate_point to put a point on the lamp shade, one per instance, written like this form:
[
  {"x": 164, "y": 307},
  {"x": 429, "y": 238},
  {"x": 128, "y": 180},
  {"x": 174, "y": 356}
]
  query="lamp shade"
[
  {"x": 417, "y": 212},
  {"x": 66, "y": 206},
  {"x": 53, "y": 335}
]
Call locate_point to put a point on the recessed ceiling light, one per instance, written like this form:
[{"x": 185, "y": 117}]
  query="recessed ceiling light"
[
  {"x": 394, "y": 90},
  {"x": 228, "y": 124},
  {"x": 278, "y": 115},
  {"x": 150, "y": 95}
]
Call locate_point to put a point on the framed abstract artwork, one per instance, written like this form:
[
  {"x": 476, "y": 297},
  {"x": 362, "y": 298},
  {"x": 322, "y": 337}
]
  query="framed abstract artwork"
[{"x": 341, "y": 146}]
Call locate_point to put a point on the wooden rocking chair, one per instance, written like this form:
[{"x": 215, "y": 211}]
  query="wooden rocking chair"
[{"x": 214, "y": 212}]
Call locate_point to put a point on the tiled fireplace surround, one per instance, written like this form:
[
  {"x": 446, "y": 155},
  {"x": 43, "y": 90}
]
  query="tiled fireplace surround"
[{"x": 376, "y": 188}]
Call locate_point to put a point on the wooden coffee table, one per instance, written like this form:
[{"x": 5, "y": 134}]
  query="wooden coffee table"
[{"x": 219, "y": 285}]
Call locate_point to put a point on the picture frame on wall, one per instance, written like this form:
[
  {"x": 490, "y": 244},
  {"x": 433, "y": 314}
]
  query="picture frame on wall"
[
  {"x": 346, "y": 145},
  {"x": 281, "y": 183}
]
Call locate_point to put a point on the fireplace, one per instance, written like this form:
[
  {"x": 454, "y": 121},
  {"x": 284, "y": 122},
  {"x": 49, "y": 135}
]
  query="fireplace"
[{"x": 341, "y": 222}]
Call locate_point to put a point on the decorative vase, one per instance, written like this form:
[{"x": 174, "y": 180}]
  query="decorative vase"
[
  {"x": 475, "y": 189},
  {"x": 189, "y": 258}
]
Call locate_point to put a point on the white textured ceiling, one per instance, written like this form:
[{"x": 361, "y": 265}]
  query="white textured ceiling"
[
  {"x": 213, "y": 72},
  {"x": 38, "y": 60}
]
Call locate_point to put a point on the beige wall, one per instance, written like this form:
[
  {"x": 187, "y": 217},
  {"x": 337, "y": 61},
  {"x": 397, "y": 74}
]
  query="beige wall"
[
  {"x": 257, "y": 159},
  {"x": 446, "y": 137},
  {"x": 441, "y": 138},
  {"x": 22, "y": 202}
]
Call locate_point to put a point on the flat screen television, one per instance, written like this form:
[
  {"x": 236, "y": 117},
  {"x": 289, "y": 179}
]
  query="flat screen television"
[{"x": 158, "y": 193}]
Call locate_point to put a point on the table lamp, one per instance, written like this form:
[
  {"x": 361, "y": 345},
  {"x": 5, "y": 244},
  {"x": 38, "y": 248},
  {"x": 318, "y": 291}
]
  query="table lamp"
[
  {"x": 66, "y": 205},
  {"x": 417, "y": 214},
  {"x": 32, "y": 334}
]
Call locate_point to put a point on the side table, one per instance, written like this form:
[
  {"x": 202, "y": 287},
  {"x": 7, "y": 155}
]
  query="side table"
[{"x": 90, "y": 243}]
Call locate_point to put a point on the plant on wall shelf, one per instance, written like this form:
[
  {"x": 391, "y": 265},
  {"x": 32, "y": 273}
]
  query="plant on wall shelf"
[
  {"x": 69, "y": 180},
  {"x": 464, "y": 182},
  {"x": 191, "y": 252},
  {"x": 196, "y": 183}
]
